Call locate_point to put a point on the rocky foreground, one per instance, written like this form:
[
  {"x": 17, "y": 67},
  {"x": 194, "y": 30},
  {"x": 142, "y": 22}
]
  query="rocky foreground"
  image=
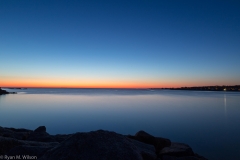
[{"x": 38, "y": 144}]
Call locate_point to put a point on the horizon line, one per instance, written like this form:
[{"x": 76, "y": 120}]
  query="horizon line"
[{"x": 118, "y": 87}]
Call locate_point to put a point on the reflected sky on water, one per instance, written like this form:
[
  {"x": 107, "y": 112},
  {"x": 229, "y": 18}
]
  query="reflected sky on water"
[{"x": 207, "y": 121}]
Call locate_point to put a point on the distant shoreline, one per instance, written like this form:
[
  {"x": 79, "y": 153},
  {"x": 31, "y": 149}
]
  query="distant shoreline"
[
  {"x": 234, "y": 88},
  {"x": 2, "y": 92}
]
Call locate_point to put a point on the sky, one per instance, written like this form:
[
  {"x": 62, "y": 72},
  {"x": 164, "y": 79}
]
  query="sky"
[{"x": 119, "y": 43}]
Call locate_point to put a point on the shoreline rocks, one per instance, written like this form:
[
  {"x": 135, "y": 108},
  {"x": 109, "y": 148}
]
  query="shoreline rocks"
[
  {"x": 2, "y": 92},
  {"x": 98, "y": 144}
]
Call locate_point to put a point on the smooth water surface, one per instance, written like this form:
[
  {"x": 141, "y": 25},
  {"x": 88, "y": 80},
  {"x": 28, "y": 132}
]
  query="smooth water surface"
[{"x": 208, "y": 121}]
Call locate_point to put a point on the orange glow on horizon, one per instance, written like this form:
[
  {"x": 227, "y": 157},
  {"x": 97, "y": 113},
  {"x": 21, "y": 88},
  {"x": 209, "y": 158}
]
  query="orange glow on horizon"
[
  {"x": 99, "y": 83},
  {"x": 84, "y": 84}
]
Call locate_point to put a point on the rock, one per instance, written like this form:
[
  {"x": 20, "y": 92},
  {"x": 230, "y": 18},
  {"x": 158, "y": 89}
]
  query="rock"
[
  {"x": 177, "y": 149},
  {"x": 92, "y": 145},
  {"x": 158, "y": 142},
  {"x": 33, "y": 143},
  {"x": 98, "y": 145},
  {"x": 147, "y": 151},
  {"x": 5, "y": 132},
  {"x": 37, "y": 151},
  {"x": 31, "y": 148},
  {"x": 40, "y": 129},
  {"x": 3, "y": 92},
  {"x": 40, "y": 135},
  {"x": 8, "y": 143},
  {"x": 145, "y": 137},
  {"x": 20, "y": 134},
  {"x": 19, "y": 129},
  {"x": 11, "y": 134},
  {"x": 182, "y": 158},
  {"x": 61, "y": 137}
]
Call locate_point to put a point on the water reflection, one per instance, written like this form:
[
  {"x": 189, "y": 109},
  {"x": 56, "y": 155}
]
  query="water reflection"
[
  {"x": 197, "y": 118},
  {"x": 225, "y": 106}
]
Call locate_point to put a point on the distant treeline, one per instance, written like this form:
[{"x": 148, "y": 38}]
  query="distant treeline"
[{"x": 207, "y": 88}]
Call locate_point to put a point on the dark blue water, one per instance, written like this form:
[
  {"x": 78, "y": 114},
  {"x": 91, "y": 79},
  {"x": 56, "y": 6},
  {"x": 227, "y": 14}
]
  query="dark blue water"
[{"x": 208, "y": 121}]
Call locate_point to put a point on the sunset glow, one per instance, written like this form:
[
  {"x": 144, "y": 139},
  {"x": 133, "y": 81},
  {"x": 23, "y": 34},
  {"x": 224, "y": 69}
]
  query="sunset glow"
[{"x": 119, "y": 44}]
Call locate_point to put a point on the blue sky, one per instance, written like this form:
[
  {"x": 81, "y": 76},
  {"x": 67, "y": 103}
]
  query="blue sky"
[{"x": 120, "y": 43}]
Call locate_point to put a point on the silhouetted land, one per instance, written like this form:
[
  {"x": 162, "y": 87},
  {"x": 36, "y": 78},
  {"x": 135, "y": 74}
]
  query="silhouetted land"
[
  {"x": 207, "y": 88},
  {"x": 17, "y": 88},
  {"x": 5, "y": 92}
]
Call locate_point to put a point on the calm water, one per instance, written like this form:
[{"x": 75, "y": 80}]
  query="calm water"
[{"x": 208, "y": 121}]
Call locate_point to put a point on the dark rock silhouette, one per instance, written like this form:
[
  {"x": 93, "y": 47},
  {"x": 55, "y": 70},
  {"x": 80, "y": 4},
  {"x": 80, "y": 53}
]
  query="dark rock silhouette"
[
  {"x": 37, "y": 151},
  {"x": 178, "y": 150},
  {"x": 40, "y": 135},
  {"x": 5, "y": 92},
  {"x": 8, "y": 143},
  {"x": 100, "y": 145},
  {"x": 158, "y": 142},
  {"x": 40, "y": 129},
  {"x": 91, "y": 145},
  {"x": 19, "y": 134}
]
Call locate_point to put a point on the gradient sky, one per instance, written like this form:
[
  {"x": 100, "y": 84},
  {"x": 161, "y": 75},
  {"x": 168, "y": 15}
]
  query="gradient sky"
[{"x": 119, "y": 43}]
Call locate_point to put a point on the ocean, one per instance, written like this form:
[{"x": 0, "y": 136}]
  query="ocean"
[{"x": 208, "y": 121}]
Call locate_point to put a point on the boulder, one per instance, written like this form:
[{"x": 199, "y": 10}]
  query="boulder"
[
  {"x": 158, "y": 142},
  {"x": 91, "y": 145},
  {"x": 147, "y": 151},
  {"x": 8, "y": 143},
  {"x": 18, "y": 129},
  {"x": 61, "y": 137},
  {"x": 5, "y": 132},
  {"x": 20, "y": 134},
  {"x": 22, "y": 150},
  {"x": 145, "y": 137},
  {"x": 177, "y": 149},
  {"x": 30, "y": 148},
  {"x": 40, "y": 129},
  {"x": 100, "y": 145},
  {"x": 182, "y": 158},
  {"x": 34, "y": 143},
  {"x": 40, "y": 135},
  {"x": 16, "y": 135}
]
